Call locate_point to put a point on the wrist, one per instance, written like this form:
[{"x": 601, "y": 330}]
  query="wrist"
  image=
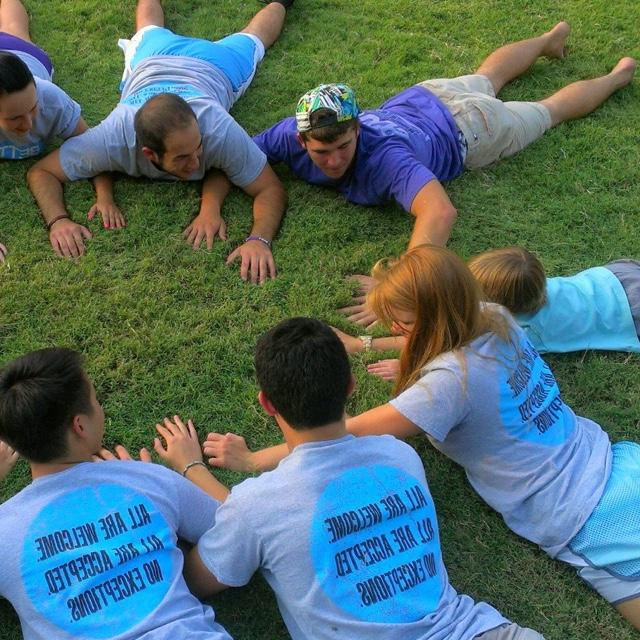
[
  {"x": 258, "y": 238},
  {"x": 208, "y": 214},
  {"x": 366, "y": 343},
  {"x": 191, "y": 465},
  {"x": 50, "y": 223}
]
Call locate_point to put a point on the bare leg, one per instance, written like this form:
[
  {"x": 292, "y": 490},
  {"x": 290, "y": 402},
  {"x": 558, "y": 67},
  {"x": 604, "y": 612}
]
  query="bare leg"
[
  {"x": 14, "y": 19},
  {"x": 512, "y": 60},
  {"x": 631, "y": 611},
  {"x": 148, "y": 12},
  {"x": 267, "y": 23},
  {"x": 581, "y": 98}
]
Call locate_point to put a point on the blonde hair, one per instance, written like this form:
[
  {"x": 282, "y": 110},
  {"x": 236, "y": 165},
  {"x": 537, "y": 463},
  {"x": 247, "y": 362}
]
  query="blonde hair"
[
  {"x": 512, "y": 277},
  {"x": 435, "y": 285}
]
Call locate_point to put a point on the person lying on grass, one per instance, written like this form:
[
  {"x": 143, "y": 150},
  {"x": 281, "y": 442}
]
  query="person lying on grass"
[
  {"x": 343, "y": 563},
  {"x": 91, "y": 550},
  {"x": 172, "y": 123},
  {"x": 471, "y": 381},
  {"x": 33, "y": 110},
  {"x": 598, "y": 308}
]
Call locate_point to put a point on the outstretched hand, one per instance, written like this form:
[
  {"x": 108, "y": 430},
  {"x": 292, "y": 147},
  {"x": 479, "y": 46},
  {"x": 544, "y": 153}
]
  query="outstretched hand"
[
  {"x": 178, "y": 444},
  {"x": 112, "y": 217},
  {"x": 257, "y": 261},
  {"x": 385, "y": 369},
  {"x": 205, "y": 228},
  {"x": 67, "y": 238},
  {"x": 358, "y": 311},
  {"x": 228, "y": 451},
  {"x": 121, "y": 453}
]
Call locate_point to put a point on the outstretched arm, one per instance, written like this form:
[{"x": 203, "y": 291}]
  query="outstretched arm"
[
  {"x": 269, "y": 203},
  {"x": 105, "y": 205},
  {"x": 46, "y": 179},
  {"x": 435, "y": 215},
  {"x": 209, "y": 223}
]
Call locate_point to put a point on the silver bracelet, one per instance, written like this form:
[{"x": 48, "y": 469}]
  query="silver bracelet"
[
  {"x": 194, "y": 463},
  {"x": 367, "y": 341}
]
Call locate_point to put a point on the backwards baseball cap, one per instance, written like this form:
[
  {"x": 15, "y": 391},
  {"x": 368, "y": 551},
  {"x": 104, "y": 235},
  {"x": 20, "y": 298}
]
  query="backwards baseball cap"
[{"x": 326, "y": 105}]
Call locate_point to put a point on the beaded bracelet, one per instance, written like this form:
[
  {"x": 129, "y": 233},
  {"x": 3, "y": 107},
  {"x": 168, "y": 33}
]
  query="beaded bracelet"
[
  {"x": 194, "y": 463},
  {"x": 260, "y": 238}
]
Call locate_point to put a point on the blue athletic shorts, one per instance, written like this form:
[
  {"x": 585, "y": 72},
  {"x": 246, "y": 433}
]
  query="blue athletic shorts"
[
  {"x": 237, "y": 55},
  {"x": 606, "y": 550}
]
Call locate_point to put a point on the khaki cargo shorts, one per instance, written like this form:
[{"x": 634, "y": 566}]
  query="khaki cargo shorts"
[{"x": 493, "y": 129}]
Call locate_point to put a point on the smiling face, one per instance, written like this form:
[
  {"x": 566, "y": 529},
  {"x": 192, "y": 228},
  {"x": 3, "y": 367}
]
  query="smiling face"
[
  {"x": 333, "y": 158},
  {"x": 183, "y": 151},
  {"x": 18, "y": 110}
]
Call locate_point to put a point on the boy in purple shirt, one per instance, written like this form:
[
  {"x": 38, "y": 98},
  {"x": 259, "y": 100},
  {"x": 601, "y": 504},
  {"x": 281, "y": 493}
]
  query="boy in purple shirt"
[{"x": 430, "y": 132}]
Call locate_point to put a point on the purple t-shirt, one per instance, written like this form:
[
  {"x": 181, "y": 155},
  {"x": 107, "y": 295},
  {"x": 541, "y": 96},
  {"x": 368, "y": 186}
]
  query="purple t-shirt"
[{"x": 409, "y": 141}]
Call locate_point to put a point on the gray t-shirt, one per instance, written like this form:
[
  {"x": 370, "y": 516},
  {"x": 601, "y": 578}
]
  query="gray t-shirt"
[
  {"x": 495, "y": 409},
  {"x": 57, "y": 117},
  {"x": 111, "y": 146},
  {"x": 91, "y": 552},
  {"x": 345, "y": 532}
]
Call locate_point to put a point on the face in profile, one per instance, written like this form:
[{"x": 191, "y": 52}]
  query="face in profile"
[
  {"x": 18, "y": 111},
  {"x": 183, "y": 152},
  {"x": 333, "y": 158},
  {"x": 403, "y": 322}
]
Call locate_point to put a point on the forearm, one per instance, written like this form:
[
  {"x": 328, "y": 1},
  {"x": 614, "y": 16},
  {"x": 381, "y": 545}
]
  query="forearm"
[
  {"x": 48, "y": 192},
  {"x": 203, "y": 478},
  {"x": 215, "y": 188},
  {"x": 388, "y": 343},
  {"x": 269, "y": 458},
  {"x": 435, "y": 215},
  {"x": 103, "y": 184},
  {"x": 268, "y": 209}
]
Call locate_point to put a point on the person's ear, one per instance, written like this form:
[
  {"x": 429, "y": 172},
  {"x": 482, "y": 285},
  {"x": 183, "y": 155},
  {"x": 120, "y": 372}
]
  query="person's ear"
[
  {"x": 150, "y": 155},
  {"x": 301, "y": 141},
  {"x": 265, "y": 403},
  {"x": 77, "y": 426}
]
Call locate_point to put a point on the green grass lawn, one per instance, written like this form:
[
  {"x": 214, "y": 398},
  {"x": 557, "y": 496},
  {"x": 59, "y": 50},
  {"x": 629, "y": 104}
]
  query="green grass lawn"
[{"x": 168, "y": 330}]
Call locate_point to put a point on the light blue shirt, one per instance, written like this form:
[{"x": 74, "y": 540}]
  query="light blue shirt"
[
  {"x": 111, "y": 146},
  {"x": 587, "y": 311},
  {"x": 495, "y": 408}
]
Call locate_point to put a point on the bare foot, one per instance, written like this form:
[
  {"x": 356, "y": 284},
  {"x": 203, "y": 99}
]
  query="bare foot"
[
  {"x": 8, "y": 458},
  {"x": 624, "y": 70},
  {"x": 557, "y": 37}
]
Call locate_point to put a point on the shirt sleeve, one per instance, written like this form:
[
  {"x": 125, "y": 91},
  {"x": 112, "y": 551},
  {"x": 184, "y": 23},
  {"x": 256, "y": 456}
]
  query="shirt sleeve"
[
  {"x": 64, "y": 112},
  {"x": 230, "y": 149},
  {"x": 436, "y": 403},
  {"x": 231, "y": 551},
  {"x": 276, "y": 141},
  {"x": 197, "y": 510},
  {"x": 397, "y": 171},
  {"x": 87, "y": 155}
]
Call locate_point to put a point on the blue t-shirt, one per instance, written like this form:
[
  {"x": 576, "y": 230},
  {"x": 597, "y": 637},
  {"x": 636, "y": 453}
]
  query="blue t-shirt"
[
  {"x": 57, "y": 117},
  {"x": 495, "y": 408},
  {"x": 346, "y": 534},
  {"x": 91, "y": 552},
  {"x": 111, "y": 146},
  {"x": 409, "y": 141},
  {"x": 587, "y": 311}
]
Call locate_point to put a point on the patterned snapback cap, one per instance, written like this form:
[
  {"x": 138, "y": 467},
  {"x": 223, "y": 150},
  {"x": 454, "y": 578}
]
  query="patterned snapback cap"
[{"x": 326, "y": 105}]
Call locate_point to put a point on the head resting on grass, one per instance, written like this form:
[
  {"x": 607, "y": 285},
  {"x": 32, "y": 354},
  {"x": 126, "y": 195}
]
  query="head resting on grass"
[
  {"x": 18, "y": 95},
  {"x": 430, "y": 296},
  {"x": 512, "y": 277},
  {"x": 41, "y": 395},
  {"x": 303, "y": 371},
  {"x": 168, "y": 134}
]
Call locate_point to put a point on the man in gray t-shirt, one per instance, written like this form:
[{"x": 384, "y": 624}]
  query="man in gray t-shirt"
[
  {"x": 172, "y": 123},
  {"x": 90, "y": 550},
  {"x": 344, "y": 529}
]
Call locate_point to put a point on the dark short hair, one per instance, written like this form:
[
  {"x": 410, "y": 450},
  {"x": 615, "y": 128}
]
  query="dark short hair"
[
  {"x": 331, "y": 132},
  {"x": 158, "y": 117},
  {"x": 40, "y": 393},
  {"x": 303, "y": 370},
  {"x": 14, "y": 73}
]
